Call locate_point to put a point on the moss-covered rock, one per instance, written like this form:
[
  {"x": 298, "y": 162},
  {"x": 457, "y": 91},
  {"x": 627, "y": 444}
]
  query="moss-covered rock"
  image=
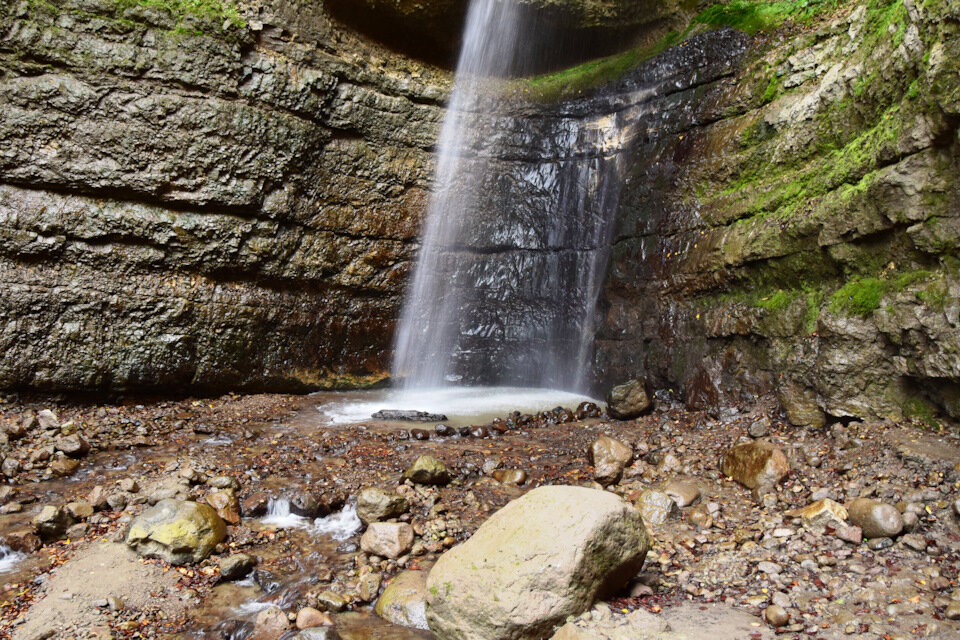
[{"x": 177, "y": 531}]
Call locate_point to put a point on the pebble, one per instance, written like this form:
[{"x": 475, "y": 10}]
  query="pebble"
[
  {"x": 879, "y": 543},
  {"x": 776, "y": 615},
  {"x": 308, "y": 617},
  {"x": 953, "y": 610}
]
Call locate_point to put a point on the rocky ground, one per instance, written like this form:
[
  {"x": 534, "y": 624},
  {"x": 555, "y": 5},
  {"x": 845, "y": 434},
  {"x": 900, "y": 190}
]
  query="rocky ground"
[{"x": 726, "y": 560}]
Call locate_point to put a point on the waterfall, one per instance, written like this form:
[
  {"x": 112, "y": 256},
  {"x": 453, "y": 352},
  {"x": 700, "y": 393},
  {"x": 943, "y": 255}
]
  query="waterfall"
[{"x": 518, "y": 229}]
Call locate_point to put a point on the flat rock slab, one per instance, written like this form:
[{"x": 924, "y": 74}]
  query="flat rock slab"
[
  {"x": 408, "y": 416},
  {"x": 688, "y": 621}
]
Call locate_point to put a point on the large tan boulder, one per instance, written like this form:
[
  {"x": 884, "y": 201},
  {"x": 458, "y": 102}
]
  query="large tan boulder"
[
  {"x": 755, "y": 464},
  {"x": 543, "y": 557},
  {"x": 176, "y": 531}
]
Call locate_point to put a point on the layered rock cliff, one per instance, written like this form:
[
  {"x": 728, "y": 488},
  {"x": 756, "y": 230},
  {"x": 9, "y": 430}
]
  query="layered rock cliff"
[
  {"x": 232, "y": 199},
  {"x": 201, "y": 200},
  {"x": 794, "y": 226}
]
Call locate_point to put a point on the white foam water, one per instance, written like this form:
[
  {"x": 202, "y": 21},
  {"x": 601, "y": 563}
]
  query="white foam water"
[
  {"x": 9, "y": 558},
  {"x": 280, "y": 517},
  {"x": 340, "y": 525},
  {"x": 457, "y": 403}
]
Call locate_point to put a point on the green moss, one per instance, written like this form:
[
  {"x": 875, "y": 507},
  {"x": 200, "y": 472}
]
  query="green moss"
[
  {"x": 922, "y": 412},
  {"x": 934, "y": 296},
  {"x": 213, "y": 10},
  {"x": 188, "y": 15},
  {"x": 772, "y": 90},
  {"x": 750, "y": 16},
  {"x": 812, "y": 314},
  {"x": 589, "y": 75},
  {"x": 862, "y": 295},
  {"x": 777, "y": 301}
]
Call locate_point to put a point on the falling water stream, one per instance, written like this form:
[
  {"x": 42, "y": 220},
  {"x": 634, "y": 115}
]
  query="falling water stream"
[{"x": 517, "y": 232}]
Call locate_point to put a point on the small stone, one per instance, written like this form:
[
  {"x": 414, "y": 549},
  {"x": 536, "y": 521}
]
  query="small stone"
[
  {"x": 330, "y": 601},
  {"x": 850, "y": 533},
  {"x": 780, "y": 599},
  {"x": 129, "y": 485},
  {"x": 117, "y": 502},
  {"x": 914, "y": 541},
  {"x": 15, "y": 430},
  {"x": 22, "y": 540},
  {"x": 178, "y": 532},
  {"x": 776, "y": 615},
  {"x": 515, "y": 477},
  {"x": 375, "y": 505},
  {"x": 304, "y": 504},
  {"x": 656, "y": 507},
  {"x": 770, "y": 568},
  {"x": 755, "y": 464},
  {"x": 224, "y": 482},
  {"x": 11, "y": 507},
  {"x": 953, "y": 610},
  {"x": 52, "y": 522},
  {"x": 98, "y": 498},
  {"x": 609, "y": 457},
  {"x": 403, "y": 600},
  {"x": 683, "y": 493},
  {"x": 236, "y": 566},
  {"x": 64, "y": 466},
  {"x": 255, "y": 505},
  {"x": 427, "y": 470},
  {"x": 369, "y": 587},
  {"x": 388, "y": 539},
  {"x": 10, "y": 467},
  {"x": 910, "y": 521},
  {"x": 628, "y": 400},
  {"x": 875, "y": 519},
  {"x": 760, "y": 428},
  {"x": 47, "y": 419},
  {"x": 879, "y": 543},
  {"x": 823, "y": 512},
  {"x": 308, "y": 618},
  {"x": 75, "y": 446},
  {"x": 80, "y": 510},
  {"x": 226, "y": 504},
  {"x": 270, "y": 624}
]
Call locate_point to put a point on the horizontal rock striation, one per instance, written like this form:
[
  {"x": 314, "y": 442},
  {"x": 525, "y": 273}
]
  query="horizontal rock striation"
[{"x": 196, "y": 203}]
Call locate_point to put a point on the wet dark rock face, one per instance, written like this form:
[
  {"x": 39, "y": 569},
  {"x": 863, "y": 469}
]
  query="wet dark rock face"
[
  {"x": 207, "y": 208},
  {"x": 785, "y": 226}
]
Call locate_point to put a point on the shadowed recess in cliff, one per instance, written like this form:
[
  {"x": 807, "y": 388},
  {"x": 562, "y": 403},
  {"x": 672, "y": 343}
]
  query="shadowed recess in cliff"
[{"x": 518, "y": 229}]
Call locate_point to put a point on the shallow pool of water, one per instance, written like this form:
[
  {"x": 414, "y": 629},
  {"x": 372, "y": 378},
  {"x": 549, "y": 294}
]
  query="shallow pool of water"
[{"x": 461, "y": 405}]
